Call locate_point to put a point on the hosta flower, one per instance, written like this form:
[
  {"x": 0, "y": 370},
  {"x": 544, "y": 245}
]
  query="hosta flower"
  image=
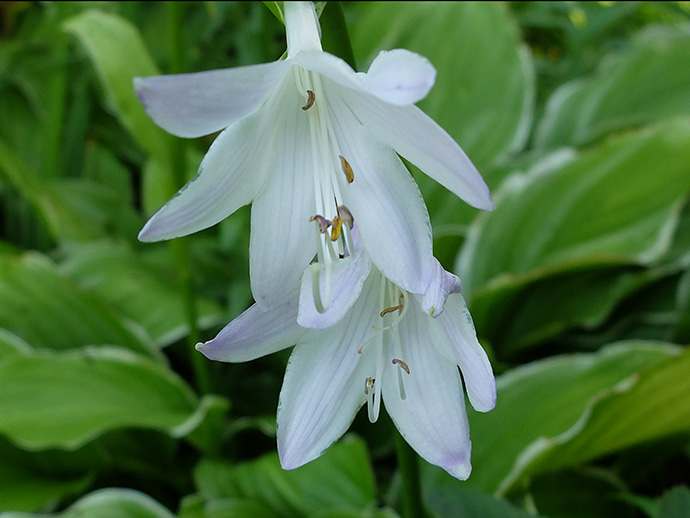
[
  {"x": 386, "y": 348},
  {"x": 312, "y": 145}
]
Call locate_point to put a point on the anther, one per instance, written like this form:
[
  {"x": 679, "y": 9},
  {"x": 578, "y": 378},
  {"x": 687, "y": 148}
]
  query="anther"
[
  {"x": 323, "y": 223},
  {"x": 347, "y": 169},
  {"x": 336, "y": 228},
  {"x": 399, "y": 307},
  {"x": 401, "y": 364},
  {"x": 368, "y": 385},
  {"x": 310, "y": 100},
  {"x": 346, "y": 215}
]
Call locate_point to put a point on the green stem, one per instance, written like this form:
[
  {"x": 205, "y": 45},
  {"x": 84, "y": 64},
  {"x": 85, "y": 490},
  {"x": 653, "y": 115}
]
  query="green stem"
[
  {"x": 410, "y": 487},
  {"x": 335, "y": 38},
  {"x": 180, "y": 247}
]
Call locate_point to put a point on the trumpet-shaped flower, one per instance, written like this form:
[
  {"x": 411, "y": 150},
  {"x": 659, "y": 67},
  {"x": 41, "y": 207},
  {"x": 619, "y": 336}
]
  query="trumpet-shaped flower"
[
  {"x": 386, "y": 348},
  {"x": 314, "y": 146}
]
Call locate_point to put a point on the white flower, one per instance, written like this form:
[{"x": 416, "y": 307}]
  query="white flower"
[
  {"x": 312, "y": 144},
  {"x": 386, "y": 347}
]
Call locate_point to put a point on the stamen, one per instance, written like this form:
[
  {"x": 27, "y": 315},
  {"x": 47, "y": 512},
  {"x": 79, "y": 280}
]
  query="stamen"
[
  {"x": 337, "y": 227},
  {"x": 370, "y": 392},
  {"x": 399, "y": 307},
  {"x": 323, "y": 223},
  {"x": 315, "y": 269},
  {"x": 401, "y": 364},
  {"x": 347, "y": 169},
  {"x": 401, "y": 382},
  {"x": 310, "y": 100}
]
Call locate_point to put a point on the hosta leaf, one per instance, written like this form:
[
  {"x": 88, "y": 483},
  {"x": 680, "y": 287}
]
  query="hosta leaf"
[
  {"x": 644, "y": 84},
  {"x": 618, "y": 203},
  {"x": 63, "y": 400},
  {"x": 48, "y": 310},
  {"x": 566, "y": 410}
]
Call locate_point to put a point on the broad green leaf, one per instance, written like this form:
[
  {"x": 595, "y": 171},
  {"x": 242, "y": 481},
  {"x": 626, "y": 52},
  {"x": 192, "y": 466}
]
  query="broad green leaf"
[
  {"x": 560, "y": 400},
  {"x": 194, "y": 506},
  {"x": 31, "y": 481},
  {"x": 603, "y": 207},
  {"x": 65, "y": 399},
  {"x": 300, "y": 492},
  {"x": 118, "y": 55},
  {"x": 644, "y": 84},
  {"x": 12, "y": 345},
  {"x": 49, "y": 311},
  {"x": 143, "y": 290},
  {"x": 484, "y": 91},
  {"x": 651, "y": 404},
  {"x": 108, "y": 503},
  {"x": 675, "y": 503}
]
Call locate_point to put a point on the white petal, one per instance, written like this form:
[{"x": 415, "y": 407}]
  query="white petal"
[
  {"x": 385, "y": 202},
  {"x": 256, "y": 333},
  {"x": 192, "y": 105},
  {"x": 301, "y": 27},
  {"x": 400, "y": 77},
  {"x": 417, "y": 138},
  {"x": 347, "y": 279},
  {"x": 282, "y": 241},
  {"x": 324, "y": 384},
  {"x": 230, "y": 176},
  {"x": 332, "y": 67},
  {"x": 441, "y": 284},
  {"x": 454, "y": 333},
  {"x": 432, "y": 417}
]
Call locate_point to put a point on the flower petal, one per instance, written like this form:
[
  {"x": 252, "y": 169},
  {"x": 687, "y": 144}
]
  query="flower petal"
[
  {"x": 302, "y": 28},
  {"x": 256, "y": 333},
  {"x": 192, "y": 105},
  {"x": 417, "y": 138},
  {"x": 454, "y": 332},
  {"x": 432, "y": 416},
  {"x": 347, "y": 278},
  {"x": 384, "y": 201},
  {"x": 282, "y": 241},
  {"x": 324, "y": 384},
  {"x": 400, "y": 77},
  {"x": 441, "y": 284},
  {"x": 230, "y": 176}
]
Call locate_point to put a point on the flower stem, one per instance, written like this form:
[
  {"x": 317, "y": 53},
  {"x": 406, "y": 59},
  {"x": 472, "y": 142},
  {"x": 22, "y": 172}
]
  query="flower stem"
[{"x": 410, "y": 487}]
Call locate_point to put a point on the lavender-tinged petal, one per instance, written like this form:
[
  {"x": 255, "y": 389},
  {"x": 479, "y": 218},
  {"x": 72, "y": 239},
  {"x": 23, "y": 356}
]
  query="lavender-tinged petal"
[
  {"x": 192, "y": 105},
  {"x": 347, "y": 278},
  {"x": 282, "y": 241},
  {"x": 442, "y": 283},
  {"x": 385, "y": 202},
  {"x": 256, "y": 333},
  {"x": 454, "y": 335},
  {"x": 400, "y": 77},
  {"x": 432, "y": 416},
  {"x": 230, "y": 176},
  {"x": 417, "y": 138},
  {"x": 324, "y": 384}
]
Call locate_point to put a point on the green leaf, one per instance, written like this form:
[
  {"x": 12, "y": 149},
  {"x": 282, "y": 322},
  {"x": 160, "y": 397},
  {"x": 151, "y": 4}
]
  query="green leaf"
[
  {"x": 567, "y": 410},
  {"x": 145, "y": 291},
  {"x": 601, "y": 207},
  {"x": 674, "y": 503},
  {"x": 66, "y": 399},
  {"x": 644, "y": 84},
  {"x": 194, "y": 506},
  {"x": 300, "y": 492},
  {"x": 451, "y": 499},
  {"x": 47, "y": 310},
  {"x": 108, "y": 503},
  {"x": 11, "y": 345}
]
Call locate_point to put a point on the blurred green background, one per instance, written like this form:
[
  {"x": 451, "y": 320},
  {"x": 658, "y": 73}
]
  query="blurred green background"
[{"x": 576, "y": 113}]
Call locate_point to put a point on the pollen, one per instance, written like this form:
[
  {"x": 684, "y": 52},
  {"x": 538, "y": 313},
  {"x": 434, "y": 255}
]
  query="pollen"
[
  {"x": 323, "y": 223},
  {"x": 347, "y": 169},
  {"x": 311, "y": 97},
  {"x": 336, "y": 228},
  {"x": 368, "y": 385},
  {"x": 399, "y": 307},
  {"x": 401, "y": 364}
]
